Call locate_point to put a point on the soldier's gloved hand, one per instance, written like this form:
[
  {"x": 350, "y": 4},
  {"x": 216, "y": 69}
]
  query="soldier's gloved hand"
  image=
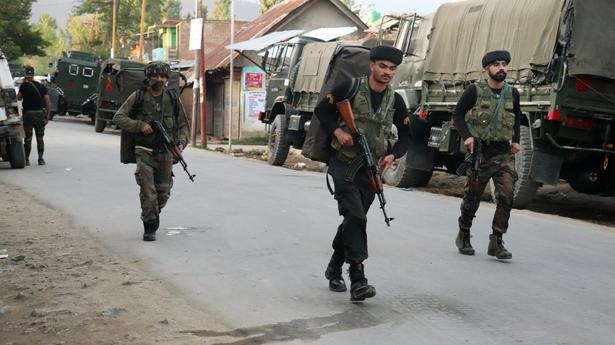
[
  {"x": 147, "y": 129},
  {"x": 469, "y": 144},
  {"x": 343, "y": 138},
  {"x": 514, "y": 148}
]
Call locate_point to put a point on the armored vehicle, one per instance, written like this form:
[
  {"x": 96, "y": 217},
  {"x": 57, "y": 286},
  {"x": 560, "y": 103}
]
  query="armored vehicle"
[
  {"x": 303, "y": 70},
  {"x": 561, "y": 52},
  {"x": 120, "y": 85},
  {"x": 77, "y": 75},
  {"x": 109, "y": 98},
  {"x": 11, "y": 129}
]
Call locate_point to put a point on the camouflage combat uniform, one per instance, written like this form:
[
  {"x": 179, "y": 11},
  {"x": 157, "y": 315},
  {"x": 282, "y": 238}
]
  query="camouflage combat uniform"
[
  {"x": 154, "y": 165},
  {"x": 489, "y": 124}
]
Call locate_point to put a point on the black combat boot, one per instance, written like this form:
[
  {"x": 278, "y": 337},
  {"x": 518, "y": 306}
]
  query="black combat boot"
[
  {"x": 150, "y": 228},
  {"x": 359, "y": 288},
  {"x": 463, "y": 242},
  {"x": 496, "y": 247},
  {"x": 334, "y": 273}
]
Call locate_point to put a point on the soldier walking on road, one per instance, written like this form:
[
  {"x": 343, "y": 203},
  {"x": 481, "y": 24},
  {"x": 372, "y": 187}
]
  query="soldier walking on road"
[
  {"x": 36, "y": 109},
  {"x": 376, "y": 107},
  {"x": 154, "y": 172},
  {"x": 489, "y": 112}
]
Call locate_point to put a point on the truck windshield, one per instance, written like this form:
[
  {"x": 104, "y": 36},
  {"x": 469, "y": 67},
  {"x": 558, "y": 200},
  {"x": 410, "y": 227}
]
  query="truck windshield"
[
  {"x": 279, "y": 58},
  {"x": 407, "y": 37}
]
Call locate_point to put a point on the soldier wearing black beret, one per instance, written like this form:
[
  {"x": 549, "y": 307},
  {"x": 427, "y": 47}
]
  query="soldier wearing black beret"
[
  {"x": 489, "y": 113},
  {"x": 376, "y": 106}
]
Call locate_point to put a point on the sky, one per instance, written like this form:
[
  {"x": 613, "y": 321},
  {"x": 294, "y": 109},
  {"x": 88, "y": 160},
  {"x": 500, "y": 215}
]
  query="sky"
[{"x": 60, "y": 9}]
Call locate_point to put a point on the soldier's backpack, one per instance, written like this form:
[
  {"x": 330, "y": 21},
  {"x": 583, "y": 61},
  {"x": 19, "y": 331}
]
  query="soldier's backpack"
[
  {"x": 317, "y": 145},
  {"x": 127, "y": 140}
]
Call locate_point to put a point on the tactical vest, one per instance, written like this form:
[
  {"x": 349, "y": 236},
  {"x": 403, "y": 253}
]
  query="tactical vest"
[
  {"x": 492, "y": 117},
  {"x": 151, "y": 110},
  {"x": 375, "y": 124}
]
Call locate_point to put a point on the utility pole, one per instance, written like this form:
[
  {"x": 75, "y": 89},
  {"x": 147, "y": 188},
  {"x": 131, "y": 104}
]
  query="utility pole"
[
  {"x": 196, "y": 87},
  {"x": 115, "y": 3},
  {"x": 141, "y": 30},
  {"x": 231, "y": 73},
  {"x": 203, "y": 117}
]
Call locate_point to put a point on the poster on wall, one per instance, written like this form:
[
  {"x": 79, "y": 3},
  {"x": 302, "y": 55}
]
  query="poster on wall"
[
  {"x": 254, "y": 103},
  {"x": 253, "y": 79}
]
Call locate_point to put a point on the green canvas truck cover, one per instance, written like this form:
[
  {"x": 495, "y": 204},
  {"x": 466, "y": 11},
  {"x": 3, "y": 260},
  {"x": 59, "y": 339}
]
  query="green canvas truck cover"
[
  {"x": 322, "y": 66},
  {"x": 592, "y": 46},
  {"x": 463, "y": 32}
]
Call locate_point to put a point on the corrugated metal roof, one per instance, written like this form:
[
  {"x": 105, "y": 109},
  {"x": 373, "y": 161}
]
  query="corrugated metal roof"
[
  {"x": 258, "y": 44},
  {"x": 262, "y": 25},
  {"x": 328, "y": 34}
]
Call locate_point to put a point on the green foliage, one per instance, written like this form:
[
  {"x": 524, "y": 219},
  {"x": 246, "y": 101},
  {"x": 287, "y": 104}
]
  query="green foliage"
[
  {"x": 267, "y": 4},
  {"x": 85, "y": 32},
  {"x": 171, "y": 9},
  {"x": 128, "y": 22},
  {"x": 222, "y": 10},
  {"x": 18, "y": 36}
]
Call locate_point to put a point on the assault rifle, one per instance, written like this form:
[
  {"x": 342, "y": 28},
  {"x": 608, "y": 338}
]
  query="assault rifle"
[
  {"x": 170, "y": 146},
  {"x": 373, "y": 173},
  {"x": 471, "y": 166}
]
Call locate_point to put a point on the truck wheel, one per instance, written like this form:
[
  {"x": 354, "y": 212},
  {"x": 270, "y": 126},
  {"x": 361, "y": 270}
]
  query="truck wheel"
[
  {"x": 526, "y": 187},
  {"x": 100, "y": 125},
  {"x": 278, "y": 147},
  {"x": 17, "y": 155},
  {"x": 400, "y": 175}
]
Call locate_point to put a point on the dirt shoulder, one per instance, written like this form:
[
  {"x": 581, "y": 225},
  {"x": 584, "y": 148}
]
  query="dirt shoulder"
[{"x": 59, "y": 286}]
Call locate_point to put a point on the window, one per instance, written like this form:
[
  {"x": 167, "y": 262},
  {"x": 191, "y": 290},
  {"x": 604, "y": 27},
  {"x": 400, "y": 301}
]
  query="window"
[
  {"x": 88, "y": 72},
  {"x": 407, "y": 39},
  {"x": 73, "y": 69},
  {"x": 278, "y": 58}
]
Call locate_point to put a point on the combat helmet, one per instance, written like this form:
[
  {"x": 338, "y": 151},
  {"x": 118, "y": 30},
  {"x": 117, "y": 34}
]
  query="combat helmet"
[{"x": 157, "y": 67}]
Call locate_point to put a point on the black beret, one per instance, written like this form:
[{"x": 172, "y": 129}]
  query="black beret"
[
  {"x": 494, "y": 56},
  {"x": 386, "y": 53}
]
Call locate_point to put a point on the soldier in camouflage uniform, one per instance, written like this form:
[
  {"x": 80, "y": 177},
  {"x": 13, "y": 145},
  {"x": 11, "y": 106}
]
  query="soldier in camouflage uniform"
[
  {"x": 36, "y": 113},
  {"x": 489, "y": 111},
  {"x": 376, "y": 108},
  {"x": 154, "y": 173}
]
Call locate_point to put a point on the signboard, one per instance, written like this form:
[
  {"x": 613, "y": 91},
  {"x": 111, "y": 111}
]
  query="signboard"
[
  {"x": 254, "y": 103},
  {"x": 253, "y": 79},
  {"x": 196, "y": 32}
]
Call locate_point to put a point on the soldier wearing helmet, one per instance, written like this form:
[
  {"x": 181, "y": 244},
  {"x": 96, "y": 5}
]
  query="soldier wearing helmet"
[{"x": 154, "y": 173}]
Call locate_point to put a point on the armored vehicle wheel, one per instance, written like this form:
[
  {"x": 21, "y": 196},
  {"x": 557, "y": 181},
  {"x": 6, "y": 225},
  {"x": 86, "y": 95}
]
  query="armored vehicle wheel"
[
  {"x": 17, "y": 155},
  {"x": 277, "y": 144},
  {"x": 526, "y": 187},
  {"x": 400, "y": 175},
  {"x": 100, "y": 125}
]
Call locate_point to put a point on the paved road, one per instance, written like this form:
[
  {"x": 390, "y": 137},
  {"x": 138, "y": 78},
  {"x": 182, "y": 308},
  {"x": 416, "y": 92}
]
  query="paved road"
[{"x": 248, "y": 243}]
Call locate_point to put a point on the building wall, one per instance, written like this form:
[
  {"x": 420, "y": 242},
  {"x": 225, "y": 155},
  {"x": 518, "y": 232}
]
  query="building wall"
[
  {"x": 215, "y": 32},
  {"x": 322, "y": 14},
  {"x": 236, "y": 120}
]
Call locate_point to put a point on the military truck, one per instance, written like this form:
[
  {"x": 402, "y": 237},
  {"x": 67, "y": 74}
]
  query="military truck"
[
  {"x": 109, "y": 98},
  {"x": 561, "y": 52},
  {"x": 11, "y": 129},
  {"x": 121, "y": 84},
  {"x": 302, "y": 70},
  {"x": 77, "y": 75}
]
